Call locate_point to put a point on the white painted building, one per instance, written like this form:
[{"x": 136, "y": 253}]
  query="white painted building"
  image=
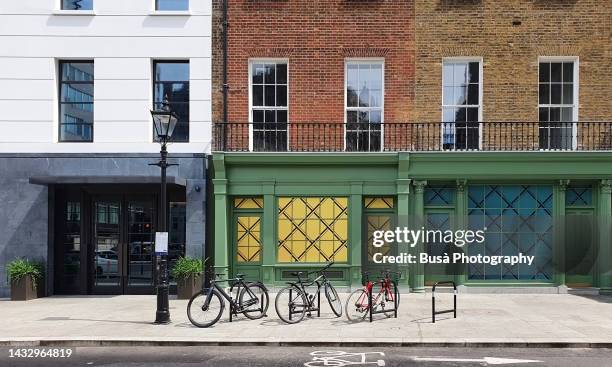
[
  {"x": 123, "y": 39},
  {"x": 77, "y": 192}
]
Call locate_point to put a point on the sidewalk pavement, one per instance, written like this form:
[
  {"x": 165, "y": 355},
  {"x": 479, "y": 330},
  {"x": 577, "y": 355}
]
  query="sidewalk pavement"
[{"x": 541, "y": 320}]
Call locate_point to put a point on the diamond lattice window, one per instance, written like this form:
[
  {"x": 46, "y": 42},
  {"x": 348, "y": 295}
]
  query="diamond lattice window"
[
  {"x": 248, "y": 238},
  {"x": 313, "y": 229},
  {"x": 518, "y": 219}
]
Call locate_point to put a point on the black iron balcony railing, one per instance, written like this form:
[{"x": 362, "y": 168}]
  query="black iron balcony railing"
[{"x": 417, "y": 136}]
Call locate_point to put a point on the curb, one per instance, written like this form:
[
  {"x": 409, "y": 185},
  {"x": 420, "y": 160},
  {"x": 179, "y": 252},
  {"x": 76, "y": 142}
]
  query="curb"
[{"x": 189, "y": 343}]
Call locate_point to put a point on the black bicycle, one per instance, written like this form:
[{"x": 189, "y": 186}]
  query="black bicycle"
[
  {"x": 293, "y": 302},
  {"x": 206, "y": 307}
]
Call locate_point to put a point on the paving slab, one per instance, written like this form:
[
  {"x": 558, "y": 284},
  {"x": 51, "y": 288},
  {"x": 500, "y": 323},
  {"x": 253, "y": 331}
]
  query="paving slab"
[{"x": 482, "y": 319}]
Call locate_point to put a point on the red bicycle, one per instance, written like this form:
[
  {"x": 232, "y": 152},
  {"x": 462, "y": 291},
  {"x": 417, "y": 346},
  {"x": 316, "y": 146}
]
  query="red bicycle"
[{"x": 358, "y": 302}]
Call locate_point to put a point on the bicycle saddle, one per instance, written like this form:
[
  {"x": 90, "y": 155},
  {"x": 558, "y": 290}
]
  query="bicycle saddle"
[
  {"x": 241, "y": 276},
  {"x": 297, "y": 273}
]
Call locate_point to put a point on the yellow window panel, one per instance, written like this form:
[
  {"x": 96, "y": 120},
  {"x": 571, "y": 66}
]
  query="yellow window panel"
[
  {"x": 307, "y": 224},
  {"x": 379, "y": 203},
  {"x": 248, "y": 238},
  {"x": 248, "y": 203},
  {"x": 341, "y": 254}
]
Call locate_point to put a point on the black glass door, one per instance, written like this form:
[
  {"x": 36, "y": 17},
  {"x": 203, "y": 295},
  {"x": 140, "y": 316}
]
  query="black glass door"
[
  {"x": 107, "y": 245},
  {"x": 123, "y": 245},
  {"x": 140, "y": 245}
]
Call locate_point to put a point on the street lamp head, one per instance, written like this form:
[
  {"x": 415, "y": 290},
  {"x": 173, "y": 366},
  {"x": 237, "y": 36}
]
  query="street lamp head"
[{"x": 164, "y": 122}]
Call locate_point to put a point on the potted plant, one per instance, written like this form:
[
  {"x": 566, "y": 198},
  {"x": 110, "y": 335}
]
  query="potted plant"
[
  {"x": 187, "y": 272},
  {"x": 26, "y": 279}
]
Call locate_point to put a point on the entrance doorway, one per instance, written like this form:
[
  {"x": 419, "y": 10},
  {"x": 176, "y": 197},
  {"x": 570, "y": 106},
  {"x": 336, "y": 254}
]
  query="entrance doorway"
[{"x": 123, "y": 245}]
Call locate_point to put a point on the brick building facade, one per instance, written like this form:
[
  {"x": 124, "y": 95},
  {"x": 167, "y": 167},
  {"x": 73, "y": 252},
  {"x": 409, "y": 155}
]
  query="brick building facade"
[
  {"x": 510, "y": 36},
  {"x": 316, "y": 37},
  {"x": 477, "y": 112}
]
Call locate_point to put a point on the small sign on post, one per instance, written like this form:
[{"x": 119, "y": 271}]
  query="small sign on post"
[{"x": 161, "y": 243}]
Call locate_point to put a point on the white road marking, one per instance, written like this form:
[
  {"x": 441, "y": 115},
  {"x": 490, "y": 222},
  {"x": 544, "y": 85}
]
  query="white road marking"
[
  {"x": 341, "y": 359},
  {"x": 487, "y": 360}
]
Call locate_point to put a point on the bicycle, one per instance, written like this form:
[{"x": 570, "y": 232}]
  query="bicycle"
[
  {"x": 206, "y": 307},
  {"x": 358, "y": 302},
  {"x": 293, "y": 301}
]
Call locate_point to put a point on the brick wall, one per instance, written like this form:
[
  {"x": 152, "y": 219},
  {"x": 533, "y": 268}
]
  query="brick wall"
[
  {"x": 484, "y": 28},
  {"x": 316, "y": 36}
]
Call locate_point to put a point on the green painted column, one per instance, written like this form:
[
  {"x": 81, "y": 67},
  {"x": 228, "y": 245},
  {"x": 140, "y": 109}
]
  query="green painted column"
[
  {"x": 355, "y": 234},
  {"x": 267, "y": 236},
  {"x": 417, "y": 276},
  {"x": 221, "y": 227},
  {"x": 559, "y": 231},
  {"x": 605, "y": 237},
  {"x": 403, "y": 215},
  {"x": 461, "y": 222}
]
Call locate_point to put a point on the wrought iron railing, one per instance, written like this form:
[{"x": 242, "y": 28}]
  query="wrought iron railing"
[{"x": 412, "y": 136}]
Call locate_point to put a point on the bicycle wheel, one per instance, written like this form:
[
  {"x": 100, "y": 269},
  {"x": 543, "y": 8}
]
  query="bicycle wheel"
[
  {"x": 357, "y": 306},
  {"x": 291, "y": 304},
  {"x": 388, "y": 303},
  {"x": 334, "y": 300},
  {"x": 254, "y": 302},
  {"x": 202, "y": 316}
]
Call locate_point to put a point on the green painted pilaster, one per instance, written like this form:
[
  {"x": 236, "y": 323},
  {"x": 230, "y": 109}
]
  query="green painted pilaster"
[
  {"x": 605, "y": 234},
  {"x": 222, "y": 224},
  {"x": 559, "y": 231},
  {"x": 403, "y": 207},
  {"x": 417, "y": 276},
  {"x": 222, "y": 227},
  {"x": 461, "y": 222},
  {"x": 355, "y": 235},
  {"x": 267, "y": 235}
]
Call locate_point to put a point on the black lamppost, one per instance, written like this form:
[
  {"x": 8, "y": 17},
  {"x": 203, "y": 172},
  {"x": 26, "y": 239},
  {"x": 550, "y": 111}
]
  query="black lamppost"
[{"x": 164, "y": 122}]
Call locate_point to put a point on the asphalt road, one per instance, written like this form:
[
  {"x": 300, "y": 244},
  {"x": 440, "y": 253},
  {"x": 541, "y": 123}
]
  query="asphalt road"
[{"x": 309, "y": 357}]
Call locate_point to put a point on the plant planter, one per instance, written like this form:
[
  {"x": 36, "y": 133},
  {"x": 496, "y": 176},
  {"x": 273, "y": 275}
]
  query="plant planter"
[
  {"x": 189, "y": 286},
  {"x": 23, "y": 289}
]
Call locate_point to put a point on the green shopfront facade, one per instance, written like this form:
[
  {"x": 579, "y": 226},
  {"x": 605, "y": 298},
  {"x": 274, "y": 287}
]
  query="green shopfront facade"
[{"x": 275, "y": 213}]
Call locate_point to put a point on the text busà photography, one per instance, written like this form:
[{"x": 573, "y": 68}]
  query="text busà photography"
[{"x": 306, "y": 183}]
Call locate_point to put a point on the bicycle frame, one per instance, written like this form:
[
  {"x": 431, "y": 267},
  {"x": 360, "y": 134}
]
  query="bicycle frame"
[
  {"x": 387, "y": 289},
  {"x": 234, "y": 305}
]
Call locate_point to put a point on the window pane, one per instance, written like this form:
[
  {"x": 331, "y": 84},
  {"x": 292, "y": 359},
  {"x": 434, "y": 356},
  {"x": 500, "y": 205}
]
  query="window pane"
[
  {"x": 281, "y": 96},
  {"x": 568, "y": 93},
  {"x": 258, "y": 95},
  {"x": 459, "y": 74},
  {"x": 448, "y": 96},
  {"x": 544, "y": 72},
  {"x": 174, "y": 92},
  {"x": 449, "y": 114},
  {"x": 270, "y": 95},
  {"x": 555, "y": 93},
  {"x": 269, "y": 73},
  {"x": 554, "y": 114},
  {"x": 567, "y": 114},
  {"x": 555, "y": 72},
  {"x": 459, "y": 94},
  {"x": 447, "y": 74},
  {"x": 258, "y": 116},
  {"x": 543, "y": 114},
  {"x": 77, "y": 4},
  {"x": 375, "y": 98},
  {"x": 270, "y": 116},
  {"x": 544, "y": 93},
  {"x": 281, "y": 73},
  {"x": 351, "y": 116},
  {"x": 76, "y": 132},
  {"x": 258, "y": 72},
  {"x": 568, "y": 72},
  {"x": 472, "y": 114},
  {"x": 77, "y": 92},
  {"x": 364, "y": 97},
  {"x": 375, "y": 117},
  {"x": 171, "y": 71},
  {"x": 172, "y": 4},
  {"x": 474, "y": 72},
  {"x": 281, "y": 116},
  {"x": 78, "y": 71},
  {"x": 473, "y": 94},
  {"x": 375, "y": 80}
]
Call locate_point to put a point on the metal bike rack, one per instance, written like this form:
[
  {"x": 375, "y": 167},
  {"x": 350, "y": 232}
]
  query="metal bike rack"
[
  {"x": 395, "y": 292},
  {"x": 433, "y": 301},
  {"x": 309, "y": 309}
]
